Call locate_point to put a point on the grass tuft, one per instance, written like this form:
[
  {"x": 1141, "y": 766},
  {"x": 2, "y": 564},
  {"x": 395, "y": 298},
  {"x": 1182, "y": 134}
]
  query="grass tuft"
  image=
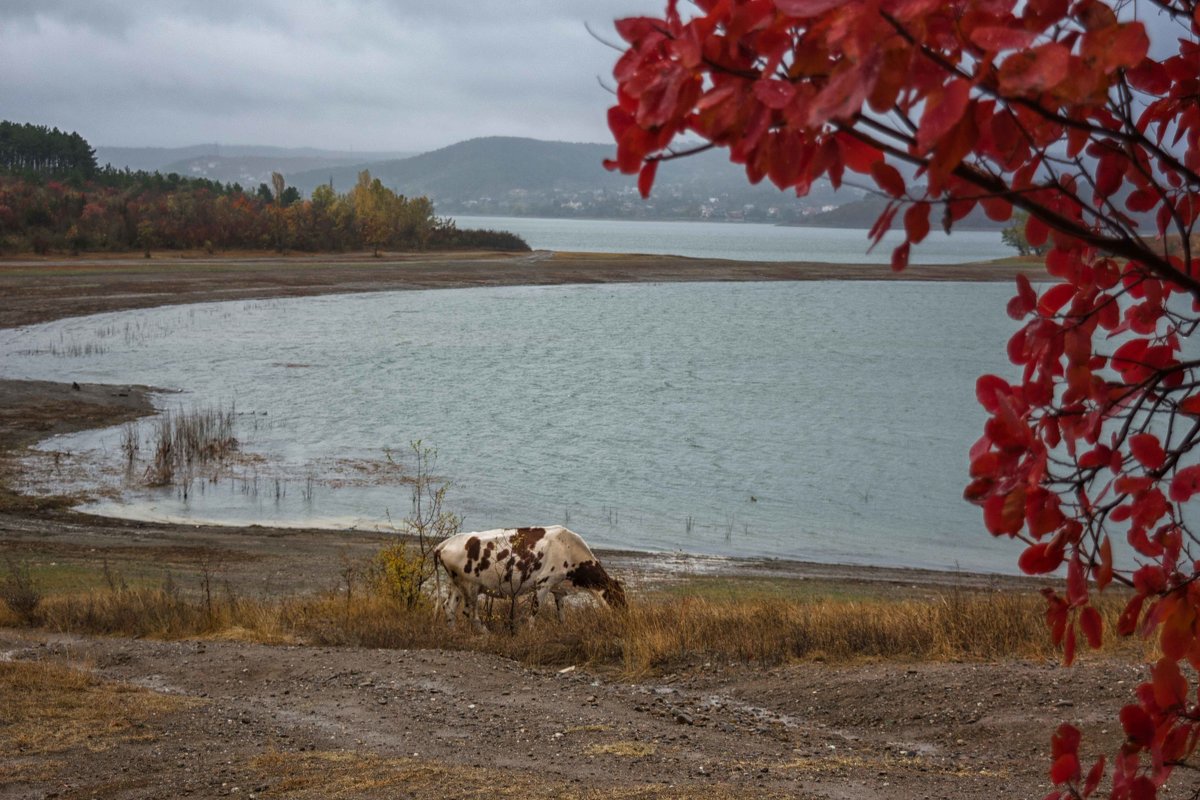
[{"x": 53, "y": 708}]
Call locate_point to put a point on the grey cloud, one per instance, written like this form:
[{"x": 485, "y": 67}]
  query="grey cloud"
[{"x": 366, "y": 74}]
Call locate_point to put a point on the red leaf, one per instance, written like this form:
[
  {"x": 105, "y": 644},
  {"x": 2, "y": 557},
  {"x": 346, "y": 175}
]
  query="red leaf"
[
  {"x": 1138, "y": 725},
  {"x": 888, "y": 178},
  {"x": 1040, "y": 558},
  {"x": 1065, "y": 741},
  {"x": 1185, "y": 484},
  {"x": 646, "y": 177},
  {"x": 1065, "y": 769},
  {"x": 1035, "y": 70},
  {"x": 1127, "y": 623},
  {"x": 1178, "y": 631},
  {"x": 988, "y": 390},
  {"x": 1170, "y": 687},
  {"x": 1104, "y": 572},
  {"x": 943, "y": 110},
  {"x": 1141, "y": 201},
  {"x": 1092, "y": 626},
  {"x": 997, "y": 37},
  {"x": 1116, "y": 46},
  {"x": 900, "y": 258},
  {"x": 1055, "y": 298},
  {"x": 1093, "y": 777},
  {"x": 857, "y": 154},
  {"x": 807, "y": 8},
  {"x": 916, "y": 223},
  {"x": 1191, "y": 405},
  {"x": 1077, "y": 591},
  {"x": 1150, "y": 77},
  {"x": 1025, "y": 301},
  {"x": 1036, "y": 231},
  {"x": 1069, "y": 647},
  {"x": 1147, "y": 450},
  {"x": 1110, "y": 173},
  {"x": 774, "y": 93},
  {"x": 1142, "y": 788},
  {"x": 997, "y": 208},
  {"x": 1005, "y": 514}
]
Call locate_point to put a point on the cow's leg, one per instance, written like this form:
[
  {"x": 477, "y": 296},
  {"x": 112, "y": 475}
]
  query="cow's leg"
[
  {"x": 558, "y": 606},
  {"x": 450, "y": 603},
  {"x": 471, "y": 610},
  {"x": 538, "y": 601}
]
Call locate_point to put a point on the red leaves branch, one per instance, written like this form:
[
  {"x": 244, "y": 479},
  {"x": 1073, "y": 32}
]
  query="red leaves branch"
[{"x": 1033, "y": 107}]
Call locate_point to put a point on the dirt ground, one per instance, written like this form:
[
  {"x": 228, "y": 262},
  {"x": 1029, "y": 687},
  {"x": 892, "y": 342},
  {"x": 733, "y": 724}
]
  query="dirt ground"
[
  {"x": 255, "y": 720},
  {"x": 301, "y": 722}
]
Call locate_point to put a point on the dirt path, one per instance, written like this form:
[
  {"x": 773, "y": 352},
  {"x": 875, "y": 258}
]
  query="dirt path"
[{"x": 312, "y": 722}]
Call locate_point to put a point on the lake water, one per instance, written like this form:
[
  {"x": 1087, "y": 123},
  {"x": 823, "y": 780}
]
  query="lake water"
[
  {"x": 825, "y": 421},
  {"x": 740, "y": 241}
]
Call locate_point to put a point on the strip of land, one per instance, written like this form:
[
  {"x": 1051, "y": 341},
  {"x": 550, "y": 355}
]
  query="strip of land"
[{"x": 39, "y": 290}]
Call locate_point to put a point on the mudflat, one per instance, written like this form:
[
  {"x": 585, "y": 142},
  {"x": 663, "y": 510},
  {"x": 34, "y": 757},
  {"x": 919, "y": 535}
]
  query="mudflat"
[
  {"x": 223, "y": 717},
  {"x": 37, "y": 290}
]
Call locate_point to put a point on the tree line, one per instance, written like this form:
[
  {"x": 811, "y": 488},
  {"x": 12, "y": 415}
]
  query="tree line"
[
  {"x": 37, "y": 149},
  {"x": 54, "y": 198}
]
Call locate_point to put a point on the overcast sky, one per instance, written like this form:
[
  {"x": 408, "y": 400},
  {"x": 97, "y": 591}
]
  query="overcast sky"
[{"x": 341, "y": 74}]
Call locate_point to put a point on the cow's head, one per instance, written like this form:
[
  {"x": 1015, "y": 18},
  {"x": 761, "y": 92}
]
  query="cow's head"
[{"x": 613, "y": 594}]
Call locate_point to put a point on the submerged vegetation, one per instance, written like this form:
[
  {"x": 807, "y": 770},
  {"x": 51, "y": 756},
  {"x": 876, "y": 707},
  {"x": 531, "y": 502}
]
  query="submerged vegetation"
[{"x": 183, "y": 442}]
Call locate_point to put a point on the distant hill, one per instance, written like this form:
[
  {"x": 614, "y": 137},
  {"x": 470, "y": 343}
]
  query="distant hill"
[
  {"x": 508, "y": 175},
  {"x": 492, "y": 165},
  {"x": 229, "y": 161}
]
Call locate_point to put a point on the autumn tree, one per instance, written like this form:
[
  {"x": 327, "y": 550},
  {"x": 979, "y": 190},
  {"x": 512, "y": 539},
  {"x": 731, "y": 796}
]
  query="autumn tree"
[{"x": 1065, "y": 111}]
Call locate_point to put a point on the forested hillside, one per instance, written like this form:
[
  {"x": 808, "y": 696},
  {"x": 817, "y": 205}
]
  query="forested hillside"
[{"x": 53, "y": 198}]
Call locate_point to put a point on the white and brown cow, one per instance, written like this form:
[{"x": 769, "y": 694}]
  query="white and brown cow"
[{"x": 508, "y": 562}]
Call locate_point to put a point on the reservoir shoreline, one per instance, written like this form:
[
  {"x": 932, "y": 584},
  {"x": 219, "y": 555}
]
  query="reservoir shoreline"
[{"x": 43, "y": 290}]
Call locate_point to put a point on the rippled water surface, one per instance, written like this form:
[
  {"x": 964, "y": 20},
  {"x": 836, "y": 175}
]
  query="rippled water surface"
[
  {"x": 821, "y": 421},
  {"x": 740, "y": 241}
]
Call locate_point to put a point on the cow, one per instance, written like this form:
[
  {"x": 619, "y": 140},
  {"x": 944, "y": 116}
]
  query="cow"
[{"x": 508, "y": 562}]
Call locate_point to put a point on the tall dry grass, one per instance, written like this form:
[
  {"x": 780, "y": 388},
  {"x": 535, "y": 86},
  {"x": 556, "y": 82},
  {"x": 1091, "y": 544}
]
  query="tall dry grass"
[{"x": 656, "y": 633}]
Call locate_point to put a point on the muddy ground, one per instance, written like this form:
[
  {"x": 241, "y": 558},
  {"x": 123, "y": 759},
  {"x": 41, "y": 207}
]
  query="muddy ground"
[
  {"x": 284, "y": 721},
  {"x": 254, "y": 720}
]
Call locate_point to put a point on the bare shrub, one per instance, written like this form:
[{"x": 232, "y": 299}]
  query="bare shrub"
[
  {"x": 403, "y": 573},
  {"x": 19, "y": 591}
]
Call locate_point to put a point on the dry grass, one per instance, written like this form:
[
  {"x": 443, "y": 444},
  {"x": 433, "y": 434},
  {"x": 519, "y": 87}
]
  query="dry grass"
[
  {"x": 841, "y": 765},
  {"x": 52, "y": 708},
  {"x": 656, "y": 633},
  {"x": 623, "y": 749},
  {"x": 340, "y": 774}
]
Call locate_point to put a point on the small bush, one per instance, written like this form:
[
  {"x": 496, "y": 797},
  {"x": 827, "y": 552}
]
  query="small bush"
[
  {"x": 20, "y": 593},
  {"x": 398, "y": 574}
]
